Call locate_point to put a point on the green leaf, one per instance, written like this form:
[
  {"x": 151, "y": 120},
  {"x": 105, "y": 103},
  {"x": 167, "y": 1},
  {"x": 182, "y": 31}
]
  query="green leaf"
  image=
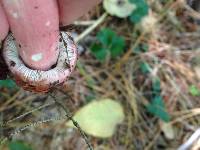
[
  {"x": 105, "y": 36},
  {"x": 18, "y": 145},
  {"x": 156, "y": 85},
  {"x": 117, "y": 46},
  {"x": 7, "y": 84},
  {"x": 99, "y": 52},
  {"x": 141, "y": 10},
  {"x": 141, "y": 48},
  {"x": 90, "y": 97},
  {"x": 99, "y": 118},
  {"x": 109, "y": 43},
  {"x": 194, "y": 91},
  {"x": 157, "y": 108},
  {"x": 145, "y": 67}
]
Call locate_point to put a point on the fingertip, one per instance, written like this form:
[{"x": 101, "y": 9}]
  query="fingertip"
[
  {"x": 34, "y": 24},
  {"x": 3, "y": 24}
]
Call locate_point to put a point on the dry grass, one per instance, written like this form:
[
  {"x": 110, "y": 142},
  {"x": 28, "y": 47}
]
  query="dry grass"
[{"x": 173, "y": 51}]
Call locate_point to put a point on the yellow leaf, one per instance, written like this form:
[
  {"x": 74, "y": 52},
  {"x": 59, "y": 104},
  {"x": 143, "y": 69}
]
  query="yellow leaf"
[{"x": 99, "y": 118}]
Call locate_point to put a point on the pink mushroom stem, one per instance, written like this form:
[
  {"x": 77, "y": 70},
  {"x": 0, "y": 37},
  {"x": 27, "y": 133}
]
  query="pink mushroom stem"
[{"x": 35, "y": 26}]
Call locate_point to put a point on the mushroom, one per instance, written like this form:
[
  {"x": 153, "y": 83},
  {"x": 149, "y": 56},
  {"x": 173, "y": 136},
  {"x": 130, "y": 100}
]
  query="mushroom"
[
  {"x": 39, "y": 80},
  {"x": 37, "y": 54}
]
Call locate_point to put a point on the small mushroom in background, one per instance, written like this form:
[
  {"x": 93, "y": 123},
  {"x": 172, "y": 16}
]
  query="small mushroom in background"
[
  {"x": 37, "y": 54},
  {"x": 119, "y": 8}
]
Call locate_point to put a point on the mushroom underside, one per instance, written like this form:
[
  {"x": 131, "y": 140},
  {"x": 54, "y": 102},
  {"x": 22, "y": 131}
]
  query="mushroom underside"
[{"x": 38, "y": 80}]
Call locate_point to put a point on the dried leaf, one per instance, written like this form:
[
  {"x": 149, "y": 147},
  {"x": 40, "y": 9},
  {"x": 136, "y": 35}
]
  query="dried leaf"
[
  {"x": 99, "y": 118},
  {"x": 168, "y": 130}
]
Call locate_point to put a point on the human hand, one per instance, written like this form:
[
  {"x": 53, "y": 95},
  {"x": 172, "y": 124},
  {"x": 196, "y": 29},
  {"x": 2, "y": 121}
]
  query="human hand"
[
  {"x": 36, "y": 44},
  {"x": 35, "y": 25}
]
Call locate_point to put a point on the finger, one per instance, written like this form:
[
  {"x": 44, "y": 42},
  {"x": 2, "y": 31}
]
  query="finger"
[
  {"x": 71, "y": 10},
  {"x": 35, "y": 25},
  {"x": 3, "y": 24}
]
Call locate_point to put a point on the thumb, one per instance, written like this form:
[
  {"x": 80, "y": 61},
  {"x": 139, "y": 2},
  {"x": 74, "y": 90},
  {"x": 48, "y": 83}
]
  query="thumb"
[
  {"x": 3, "y": 24},
  {"x": 35, "y": 25}
]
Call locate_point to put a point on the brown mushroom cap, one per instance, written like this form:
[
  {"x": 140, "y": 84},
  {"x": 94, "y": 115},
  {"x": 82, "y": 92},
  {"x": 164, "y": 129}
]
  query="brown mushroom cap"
[{"x": 38, "y": 80}]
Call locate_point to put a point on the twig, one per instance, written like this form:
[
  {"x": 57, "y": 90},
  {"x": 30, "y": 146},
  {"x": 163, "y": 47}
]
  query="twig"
[
  {"x": 149, "y": 146},
  {"x": 34, "y": 124},
  {"x": 44, "y": 121},
  {"x": 25, "y": 114},
  {"x": 91, "y": 28},
  {"x": 73, "y": 121},
  {"x": 195, "y": 136},
  {"x": 84, "y": 23},
  {"x": 65, "y": 45}
]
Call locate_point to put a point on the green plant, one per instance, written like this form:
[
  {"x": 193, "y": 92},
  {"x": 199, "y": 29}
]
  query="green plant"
[
  {"x": 141, "y": 48},
  {"x": 157, "y": 106},
  {"x": 140, "y": 11},
  {"x": 194, "y": 91},
  {"x": 19, "y": 145},
  {"x": 8, "y": 83},
  {"x": 108, "y": 44},
  {"x": 145, "y": 67}
]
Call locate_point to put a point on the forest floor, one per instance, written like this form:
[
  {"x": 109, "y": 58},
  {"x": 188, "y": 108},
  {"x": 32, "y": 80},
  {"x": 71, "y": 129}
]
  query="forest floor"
[{"x": 160, "y": 60}]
